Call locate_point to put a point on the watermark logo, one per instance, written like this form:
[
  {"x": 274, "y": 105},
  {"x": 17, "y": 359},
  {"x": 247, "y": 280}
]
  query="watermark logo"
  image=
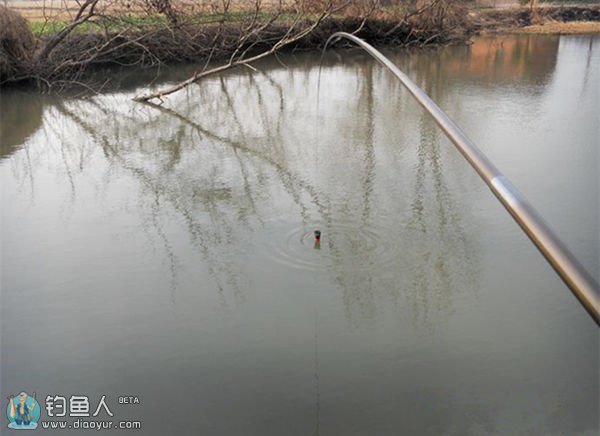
[
  {"x": 74, "y": 412},
  {"x": 23, "y": 411}
]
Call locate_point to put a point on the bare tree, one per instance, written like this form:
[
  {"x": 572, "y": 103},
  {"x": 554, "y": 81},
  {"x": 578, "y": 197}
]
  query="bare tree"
[
  {"x": 296, "y": 31},
  {"x": 85, "y": 12},
  {"x": 133, "y": 32},
  {"x": 164, "y": 7}
]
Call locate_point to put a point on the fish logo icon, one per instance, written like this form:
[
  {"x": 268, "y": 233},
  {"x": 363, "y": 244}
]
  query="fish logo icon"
[{"x": 23, "y": 411}]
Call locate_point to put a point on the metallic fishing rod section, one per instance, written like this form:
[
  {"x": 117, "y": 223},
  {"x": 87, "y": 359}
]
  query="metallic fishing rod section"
[{"x": 582, "y": 285}]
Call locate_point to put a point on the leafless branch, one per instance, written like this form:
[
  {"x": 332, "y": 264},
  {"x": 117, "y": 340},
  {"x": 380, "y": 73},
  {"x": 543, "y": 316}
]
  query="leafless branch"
[
  {"x": 86, "y": 11},
  {"x": 291, "y": 36}
]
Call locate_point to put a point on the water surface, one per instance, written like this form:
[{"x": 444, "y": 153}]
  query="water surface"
[{"x": 168, "y": 252}]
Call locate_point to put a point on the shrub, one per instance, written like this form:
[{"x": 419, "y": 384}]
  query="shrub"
[{"x": 17, "y": 43}]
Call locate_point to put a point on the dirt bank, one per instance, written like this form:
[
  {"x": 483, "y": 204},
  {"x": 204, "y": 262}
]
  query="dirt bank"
[
  {"x": 555, "y": 19},
  {"x": 562, "y": 28}
]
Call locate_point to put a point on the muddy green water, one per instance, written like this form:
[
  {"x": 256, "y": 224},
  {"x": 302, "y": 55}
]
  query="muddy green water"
[{"x": 168, "y": 254}]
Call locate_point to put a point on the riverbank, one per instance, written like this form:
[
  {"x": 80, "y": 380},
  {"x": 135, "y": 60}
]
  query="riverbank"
[
  {"x": 562, "y": 28},
  {"x": 554, "y": 20},
  {"x": 155, "y": 39},
  {"x": 58, "y": 53}
]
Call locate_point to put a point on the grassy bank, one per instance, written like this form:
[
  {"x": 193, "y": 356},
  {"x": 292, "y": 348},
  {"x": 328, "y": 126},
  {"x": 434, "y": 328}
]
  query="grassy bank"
[{"x": 47, "y": 28}]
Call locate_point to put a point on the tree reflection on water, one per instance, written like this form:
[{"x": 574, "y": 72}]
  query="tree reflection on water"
[
  {"x": 216, "y": 164},
  {"x": 365, "y": 163}
]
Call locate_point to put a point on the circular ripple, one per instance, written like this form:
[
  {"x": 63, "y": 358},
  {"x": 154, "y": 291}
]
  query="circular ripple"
[{"x": 343, "y": 245}]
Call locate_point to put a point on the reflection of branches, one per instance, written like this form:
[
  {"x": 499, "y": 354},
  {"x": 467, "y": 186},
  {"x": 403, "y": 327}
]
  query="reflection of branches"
[
  {"x": 240, "y": 162},
  {"x": 280, "y": 92},
  {"x": 64, "y": 160},
  {"x": 436, "y": 233},
  {"x": 369, "y": 145},
  {"x": 274, "y": 145},
  {"x": 216, "y": 186},
  {"x": 358, "y": 285},
  {"x": 173, "y": 261},
  {"x": 430, "y": 257},
  {"x": 288, "y": 179},
  {"x": 216, "y": 201},
  {"x": 362, "y": 272},
  {"x": 204, "y": 238},
  {"x": 586, "y": 74}
]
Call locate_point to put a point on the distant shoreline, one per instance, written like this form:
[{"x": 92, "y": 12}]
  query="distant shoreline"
[
  {"x": 562, "y": 28},
  {"x": 560, "y": 20}
]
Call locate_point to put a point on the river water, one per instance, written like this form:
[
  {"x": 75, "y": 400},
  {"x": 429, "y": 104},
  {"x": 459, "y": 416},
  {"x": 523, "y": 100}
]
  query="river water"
[{"x": 168, "y": 254}]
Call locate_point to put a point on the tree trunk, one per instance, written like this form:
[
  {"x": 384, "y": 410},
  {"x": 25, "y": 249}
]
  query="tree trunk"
[{"x": 534, "y": 15}]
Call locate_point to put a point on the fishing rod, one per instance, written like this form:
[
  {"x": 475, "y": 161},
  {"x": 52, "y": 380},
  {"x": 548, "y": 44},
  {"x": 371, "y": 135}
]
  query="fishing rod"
[{"x": 577, "y": 279}]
